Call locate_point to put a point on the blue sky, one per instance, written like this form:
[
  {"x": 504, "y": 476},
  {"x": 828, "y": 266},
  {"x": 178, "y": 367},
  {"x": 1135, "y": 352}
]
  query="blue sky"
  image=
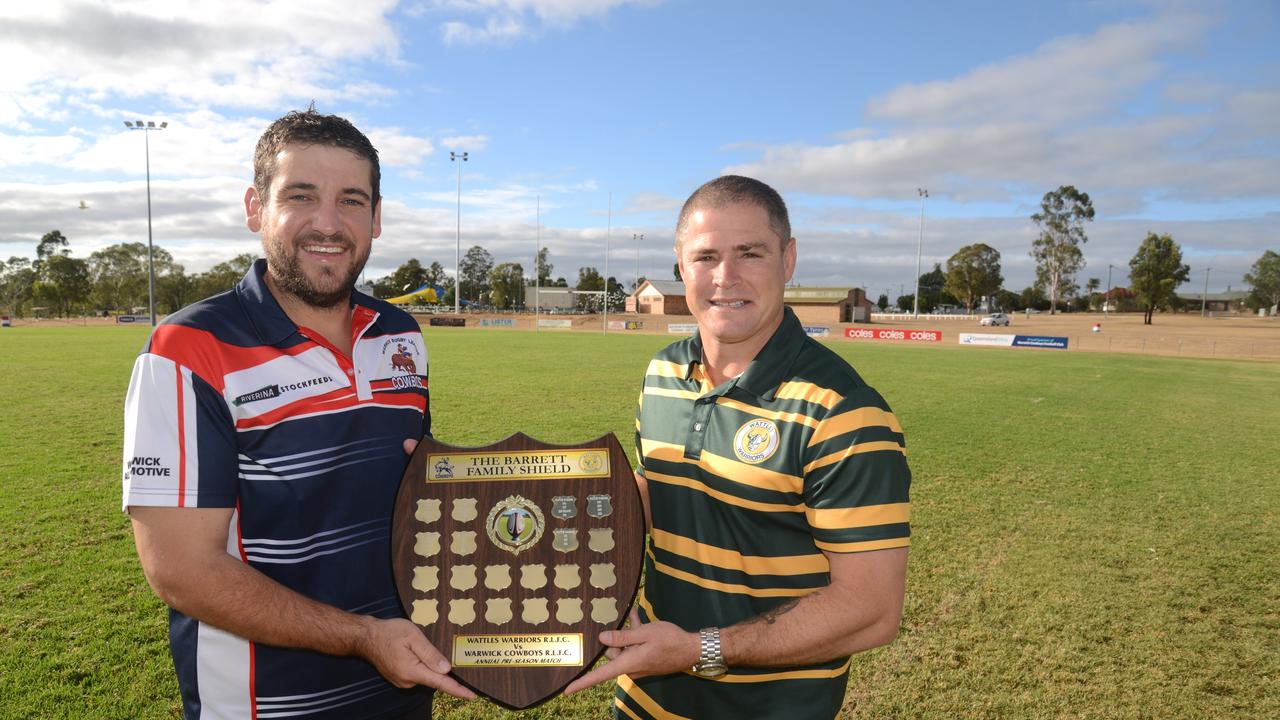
[{"x": 1164, "y": 112}]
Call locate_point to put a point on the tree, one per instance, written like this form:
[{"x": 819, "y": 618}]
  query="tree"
[
  {"x": 932, "y": 290},
  {"x": 1155, "y": 272},
  {"x": 1007, "y": 300},
  {"x": 1061, "y": 220},
  {"x": 675, "y": 269},
  {"x": 64, "y": 284},
  {"x": 1033, "y": 298},
  {"x": 882, "y": 302},
  {"x": 176, "y": 289},
  {"x": 52, "y": 243},
  {"x": 17, "y": 279},
  {"x": 223, "y": 276},
  {"x": 435, "y": 275},
  {"x": 474, "y": 271},
  {"x": 589, "y": 280},
  {"x": 507, "y": 282},
  {"x": 1264, "y": 276},
  {"x": 1092, "y": 288},
  {"x": 544, "y": 268},
  {"x": 973, "y": 273},
  {"x": 906, "y": 302},
  {"x": 408, "y": 277},
  {"x": 119, "y": 275}
]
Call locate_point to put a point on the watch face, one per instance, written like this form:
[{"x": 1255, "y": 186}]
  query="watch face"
[{"x": 709, "y": 669}]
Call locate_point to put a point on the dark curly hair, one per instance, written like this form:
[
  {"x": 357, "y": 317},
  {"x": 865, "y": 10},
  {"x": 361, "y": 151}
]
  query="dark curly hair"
[{"x": 309, "y": 127}]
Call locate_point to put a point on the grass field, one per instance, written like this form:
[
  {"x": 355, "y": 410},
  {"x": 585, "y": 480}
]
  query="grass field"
[{"x": 1094, "y": 536}]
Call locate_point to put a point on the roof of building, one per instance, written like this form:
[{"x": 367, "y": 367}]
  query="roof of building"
[
  {"x": 1228, "y": 296},
  {"x": 667, "y": 287},
  {"x": 816, "y": 294}
]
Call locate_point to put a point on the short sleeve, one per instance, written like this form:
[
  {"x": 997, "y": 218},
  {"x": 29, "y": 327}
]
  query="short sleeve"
[
  {"x": 856, "y": 479},
  {"x": 179, "y": 440}
]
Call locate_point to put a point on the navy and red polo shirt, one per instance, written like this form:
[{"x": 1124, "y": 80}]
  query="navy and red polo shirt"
[{"x": 232, "y": 405}]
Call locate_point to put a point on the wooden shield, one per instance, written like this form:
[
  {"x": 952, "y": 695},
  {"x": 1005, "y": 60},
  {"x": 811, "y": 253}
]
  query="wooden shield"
[{"x": 508, "y": 568}]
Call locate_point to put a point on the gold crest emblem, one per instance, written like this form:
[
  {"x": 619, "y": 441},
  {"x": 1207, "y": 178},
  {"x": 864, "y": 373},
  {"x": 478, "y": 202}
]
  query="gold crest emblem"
[{"x": 591, "y": 462}]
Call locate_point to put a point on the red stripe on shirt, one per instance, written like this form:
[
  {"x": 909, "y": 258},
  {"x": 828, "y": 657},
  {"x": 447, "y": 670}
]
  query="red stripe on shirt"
[
  {"x": 253, "y": 672},
  {"x": 182, "y": 441}
]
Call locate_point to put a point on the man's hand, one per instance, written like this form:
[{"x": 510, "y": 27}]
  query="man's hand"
[
  {"x": 649, "y": 649},
  {"x": 410, "y": 446},
  {"x": 405, "y": 658}
]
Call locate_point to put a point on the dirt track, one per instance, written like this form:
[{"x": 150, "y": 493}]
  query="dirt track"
[
  {"x": 1226, "y": 336},
  {"x": 1223, "y": 336}
]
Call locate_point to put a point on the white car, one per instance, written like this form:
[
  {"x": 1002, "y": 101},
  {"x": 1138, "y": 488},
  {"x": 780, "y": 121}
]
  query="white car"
[{"x": 994, "y": 319}]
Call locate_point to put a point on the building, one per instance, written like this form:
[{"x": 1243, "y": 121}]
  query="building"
[
  {"x": 820, "y": 305},
  {"x": 1229, "y": 301},
  {"x": 550, "y": 299},
  {"x": 828, "y": 305},
  {"x": 658, "y": 297}
]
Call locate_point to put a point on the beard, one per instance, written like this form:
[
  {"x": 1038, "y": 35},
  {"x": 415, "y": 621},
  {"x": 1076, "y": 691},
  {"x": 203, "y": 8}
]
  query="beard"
[{"x": 333, "y": 288}]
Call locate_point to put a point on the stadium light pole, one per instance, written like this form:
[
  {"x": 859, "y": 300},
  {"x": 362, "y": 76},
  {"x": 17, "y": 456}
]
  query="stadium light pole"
[
  {"x": 1204, "y": 295},
  {"x": 537, "y": 255},
  {"x": 146, "y": 129},
  {"x": 608, "y": 231},
  {"x": 915, "y": 311},
  {"x": 457, "y": 251},
  {"x": 1106, "y": 301},
  {"x": 639, "y": 238}
]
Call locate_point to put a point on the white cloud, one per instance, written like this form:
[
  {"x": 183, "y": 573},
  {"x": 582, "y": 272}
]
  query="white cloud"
[
  {"x": 396, "y": 149},
  {"x": 236, "y": 53},
  {"x": 506, "y": 21},
  {"x": 1060, "y": 115},
  {"x": 1066, "y": 79},
  {"x": 470, "y": 143}
]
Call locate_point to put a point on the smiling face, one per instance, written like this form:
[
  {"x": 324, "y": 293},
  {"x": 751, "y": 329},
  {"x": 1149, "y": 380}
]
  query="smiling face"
[
  {"x": 734, "y": 268},
  {"x": 317, "y": 222}
]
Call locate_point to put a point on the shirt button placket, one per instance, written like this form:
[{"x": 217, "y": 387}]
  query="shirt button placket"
[{"x": 698, "y": 425}]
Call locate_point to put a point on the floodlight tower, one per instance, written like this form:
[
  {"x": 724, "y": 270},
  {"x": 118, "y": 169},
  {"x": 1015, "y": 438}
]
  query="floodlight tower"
[
  {"x": 146, "y": 129},
  {"x": 1205, "y": 295},
  {"x": 915, "y": 311},
  {"x": 457, "y": 251}
]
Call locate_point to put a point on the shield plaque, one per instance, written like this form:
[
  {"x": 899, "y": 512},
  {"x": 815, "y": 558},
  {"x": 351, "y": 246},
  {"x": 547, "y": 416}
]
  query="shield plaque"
[{"x": 487, "y": 561}]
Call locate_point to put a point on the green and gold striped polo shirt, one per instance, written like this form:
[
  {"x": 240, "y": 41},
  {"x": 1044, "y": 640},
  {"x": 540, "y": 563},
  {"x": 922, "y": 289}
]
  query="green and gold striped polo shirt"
[{"x": 749, "y": 482}]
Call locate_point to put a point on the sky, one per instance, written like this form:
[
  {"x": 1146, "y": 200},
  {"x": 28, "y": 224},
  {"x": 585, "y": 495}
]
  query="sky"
[{"x": 587, "y": 123}]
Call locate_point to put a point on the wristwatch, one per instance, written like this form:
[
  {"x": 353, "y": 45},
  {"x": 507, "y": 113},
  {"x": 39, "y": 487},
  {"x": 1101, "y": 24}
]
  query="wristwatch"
[{"x": 710, "y": 661}]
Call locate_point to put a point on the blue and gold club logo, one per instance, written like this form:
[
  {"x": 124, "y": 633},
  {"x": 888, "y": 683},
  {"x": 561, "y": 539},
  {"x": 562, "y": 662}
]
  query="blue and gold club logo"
[
  {"x": 514, "y": 524},
  {"x": 756, "y": 441}
]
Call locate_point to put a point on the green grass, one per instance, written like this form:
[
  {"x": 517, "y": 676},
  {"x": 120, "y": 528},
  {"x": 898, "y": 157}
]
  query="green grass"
[{"x": 1093, "y": 535}]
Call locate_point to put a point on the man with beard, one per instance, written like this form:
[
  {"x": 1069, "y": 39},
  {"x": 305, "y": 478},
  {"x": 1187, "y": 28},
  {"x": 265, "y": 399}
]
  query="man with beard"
[{"x": 265, "y": 437}]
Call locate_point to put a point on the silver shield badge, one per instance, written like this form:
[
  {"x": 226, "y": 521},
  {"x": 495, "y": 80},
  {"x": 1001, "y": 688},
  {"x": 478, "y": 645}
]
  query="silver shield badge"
[
  {"x": 565, "y": 540},
  {"x": 564, "y": 507},
  {"x": 599, "y": 506}
]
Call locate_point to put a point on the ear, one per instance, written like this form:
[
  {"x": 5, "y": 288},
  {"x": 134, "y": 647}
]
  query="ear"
[
  {"x": 252, "y": 210},
  {"x": 376, "y": 228},
  {"x": 789, "y": 259}
]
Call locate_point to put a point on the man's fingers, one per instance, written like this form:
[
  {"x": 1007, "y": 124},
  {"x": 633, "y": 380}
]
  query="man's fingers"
[
  {"x": 447, "y": 684},
  {"x": 410, "y": 446},
  {"x": 608, "y": 671}
]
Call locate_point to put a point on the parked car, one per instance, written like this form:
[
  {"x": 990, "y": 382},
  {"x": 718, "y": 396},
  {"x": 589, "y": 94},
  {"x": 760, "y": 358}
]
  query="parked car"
[{"x": 994, "y": 319}]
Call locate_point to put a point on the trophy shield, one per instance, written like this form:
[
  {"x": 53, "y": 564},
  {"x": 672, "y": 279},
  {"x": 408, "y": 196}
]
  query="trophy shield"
[{"x": 487, "y": 558}]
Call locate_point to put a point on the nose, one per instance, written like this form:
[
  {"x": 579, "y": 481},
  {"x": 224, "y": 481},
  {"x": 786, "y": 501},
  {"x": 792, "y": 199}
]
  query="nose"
[
  {"x": 327, "y": 220},
  {"x": 725, "y": 273}
]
